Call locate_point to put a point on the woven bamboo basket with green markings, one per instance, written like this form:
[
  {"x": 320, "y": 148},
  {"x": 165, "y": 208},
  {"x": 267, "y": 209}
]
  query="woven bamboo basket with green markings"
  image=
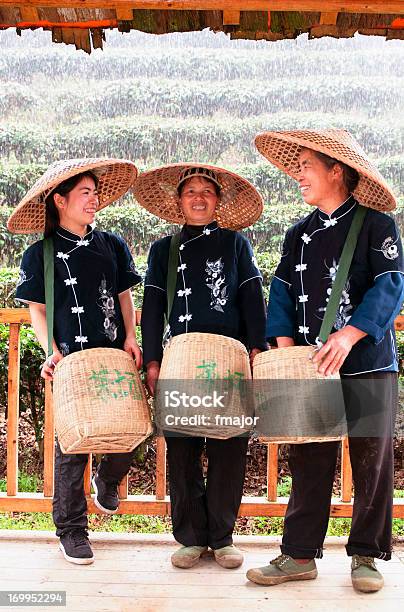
[
  {"x": 99, "y": 402},
  {"x": 294, "y": 403},
  {"x": 200, "y": 364}
]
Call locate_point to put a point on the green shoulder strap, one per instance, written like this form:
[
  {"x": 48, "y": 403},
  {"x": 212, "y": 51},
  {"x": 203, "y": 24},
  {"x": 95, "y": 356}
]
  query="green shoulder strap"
[
  {"x": 49, "y": 277},
  {"x": 172, "y": 273},
  {"x": 342, "y": 273}
]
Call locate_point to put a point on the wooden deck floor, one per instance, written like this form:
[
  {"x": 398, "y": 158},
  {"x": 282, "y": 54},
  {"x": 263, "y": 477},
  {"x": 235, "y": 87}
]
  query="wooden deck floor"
[{"x": 133, "y": 573}]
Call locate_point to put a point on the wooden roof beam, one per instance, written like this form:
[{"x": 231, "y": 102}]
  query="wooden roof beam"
[
  {"x": 231, "y": 17},
  {"x": 124, "y": 14},
  {"x": 328, "y": 18},
  {"x": 339, "y": 6},
  {"x": 28, "y": 13}
]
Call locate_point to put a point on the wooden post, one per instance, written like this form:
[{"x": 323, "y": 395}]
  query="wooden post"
[
  {"x": 123, "y": 488},
  {"x": 328, "y": 18},
  {"x": 124, "y": 14},
  {"x": 161, "y": 474},
  {"x": 88, "y": 475},
  {"x": 346, "y": 472},
  {"x": 29, "y": 14},
  {"x": 231, "y": 17},
  {"x": 49, "y": 443},
  {"x": 13, "y": 408},
  {"x": 272, "y": 472}
]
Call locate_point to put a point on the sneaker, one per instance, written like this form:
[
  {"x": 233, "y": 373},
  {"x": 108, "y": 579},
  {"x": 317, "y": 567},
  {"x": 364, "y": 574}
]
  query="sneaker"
[
  {"x": 106, "y": 495},
  {"x": 228, "y": 556},
  {"x": 282, "y": 569},
  {"x": 76, "y": 547},
  {"x": 187, "y": 556},
  {"x": 365, "y": 576}
]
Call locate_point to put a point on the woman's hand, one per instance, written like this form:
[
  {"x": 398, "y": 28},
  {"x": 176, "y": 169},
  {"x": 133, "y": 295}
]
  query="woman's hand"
[
  {"x": 253, "y": 353},
  {"x": 133, "y": 349},
  {"x": 332, "y": 355},
  {"x": 48, "y": 367},
  {"x": 153, "y": 372}
]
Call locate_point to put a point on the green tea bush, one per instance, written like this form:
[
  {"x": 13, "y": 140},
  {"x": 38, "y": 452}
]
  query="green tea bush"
[
  {"x": 238, "y": 98},
  {"x": 161, "y": 140},
  {"x": 207, "y": 64}
]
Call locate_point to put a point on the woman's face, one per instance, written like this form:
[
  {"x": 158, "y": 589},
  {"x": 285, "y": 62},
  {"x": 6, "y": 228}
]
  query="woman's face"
[
  {"x": 198, "y": 201},
  {"x": 80, "y": 205},
  {"x": 317, "y": 182}
]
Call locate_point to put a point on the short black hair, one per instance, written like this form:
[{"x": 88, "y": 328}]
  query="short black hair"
[{"x": 52, "y": 219}]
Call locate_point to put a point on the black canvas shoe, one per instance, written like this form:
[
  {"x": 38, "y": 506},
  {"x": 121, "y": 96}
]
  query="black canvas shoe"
[
  {"x": 106, "y": 495},
  {"x": 76, "y": 547}
]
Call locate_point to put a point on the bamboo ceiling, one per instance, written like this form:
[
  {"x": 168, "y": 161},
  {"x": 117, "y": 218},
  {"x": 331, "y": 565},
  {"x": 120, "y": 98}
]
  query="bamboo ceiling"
[{"x": 84, "y": 22}]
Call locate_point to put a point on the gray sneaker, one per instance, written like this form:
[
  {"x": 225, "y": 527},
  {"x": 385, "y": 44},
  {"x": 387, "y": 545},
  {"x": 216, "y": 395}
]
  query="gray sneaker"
[
  {"x": 187, "y": 556},
  {"x": 228, "y": 556},
  {"x": 282, "y": 569},
  {"x": 365, "y": 576}
]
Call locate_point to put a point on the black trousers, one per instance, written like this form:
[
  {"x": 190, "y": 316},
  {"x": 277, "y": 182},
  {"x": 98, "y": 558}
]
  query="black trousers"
[
  {"x": 205, "y": 514},
  {"x": 69, "y": 501},
  {"x": 313, "y": 469}
]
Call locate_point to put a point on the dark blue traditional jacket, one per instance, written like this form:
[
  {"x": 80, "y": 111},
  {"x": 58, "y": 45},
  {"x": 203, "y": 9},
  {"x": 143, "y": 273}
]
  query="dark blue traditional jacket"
[
  {"x": 217, "y": 274},
  {"x": 372, "y": 296},
  {"x": 90, "y": 273}
]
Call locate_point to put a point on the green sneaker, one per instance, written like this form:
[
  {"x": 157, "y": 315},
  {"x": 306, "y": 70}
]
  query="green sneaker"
[
  {"x": 365, "y": 576},
  {"x": 282, "y": 569},
  {"x": 228, "y": 556},
  {"x": 187, "y": 556}
]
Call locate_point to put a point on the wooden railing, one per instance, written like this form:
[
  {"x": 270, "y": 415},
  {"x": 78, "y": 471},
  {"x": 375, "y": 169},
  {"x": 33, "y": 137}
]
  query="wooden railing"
[{"x": 157, "y": 504}]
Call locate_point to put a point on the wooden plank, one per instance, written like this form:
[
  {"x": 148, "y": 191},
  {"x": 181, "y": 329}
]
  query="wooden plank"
[
  {"x": 147, "y": 504},
  {"x": 64, "y": 26},
  {"x": 49, "y": 443},
  {"x": 82, "y": 39},
  {"x": 272, "y": 471},
  {"x": 14, "y": 315},
  {"x": 345, "y": 6},
  {"x": 13, "y": 408},
  {"x": 124, "y": 14},
  {"x": 161, "y": 469},
  {"x": 29, "y": 13},
  {"x": 328, "y": 18},
  {"x": 346, "y": 472},
  {"x": 231, "y": 17}
]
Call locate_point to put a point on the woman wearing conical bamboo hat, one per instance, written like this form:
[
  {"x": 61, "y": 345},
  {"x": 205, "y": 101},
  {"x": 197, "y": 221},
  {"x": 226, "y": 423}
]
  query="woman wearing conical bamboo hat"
[
  {"x": 217, "y": 290},
  {"x": 93, "y": 308},
  {"x": 336, "y": 177}
]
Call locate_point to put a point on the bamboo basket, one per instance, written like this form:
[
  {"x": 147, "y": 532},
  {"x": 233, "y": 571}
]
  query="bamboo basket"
[
  {"x": 290, "y": 396},
  {"x": 203, "y": 362},
  {"x": 99, "y": 402}
]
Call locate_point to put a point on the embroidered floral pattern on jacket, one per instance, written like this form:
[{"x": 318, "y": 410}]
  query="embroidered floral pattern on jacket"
[
  {"x": 389, "y": 248},
  {"x": 23, "y": 278},
  {"x": 215, "y": 281},
  {"x": 344, "y": 309},
  {"x": 107, "y": 305},
  {"x": 64, "y": 348}
]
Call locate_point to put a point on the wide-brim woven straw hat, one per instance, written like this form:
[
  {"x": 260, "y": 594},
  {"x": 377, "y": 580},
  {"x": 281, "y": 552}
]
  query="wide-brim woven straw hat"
[
  {"x": 240, "y": 204},
  {"x": 283, "y": 149},
  {"x": 115, "y": 177}
]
